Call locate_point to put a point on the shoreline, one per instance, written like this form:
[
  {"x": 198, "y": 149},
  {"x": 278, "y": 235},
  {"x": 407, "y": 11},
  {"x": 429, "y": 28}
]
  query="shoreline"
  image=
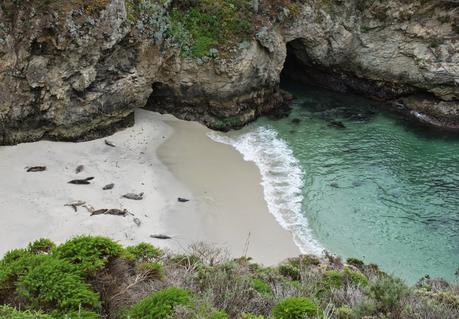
[
  {"x": 227, "y": 190},
  {"x": 163, "y": 157}
]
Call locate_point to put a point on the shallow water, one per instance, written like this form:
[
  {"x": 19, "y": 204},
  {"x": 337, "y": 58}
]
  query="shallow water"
[{"x": 378, "y": 189}]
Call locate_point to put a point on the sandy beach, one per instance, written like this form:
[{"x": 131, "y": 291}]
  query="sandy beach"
[{"x": 226, "y": 204}]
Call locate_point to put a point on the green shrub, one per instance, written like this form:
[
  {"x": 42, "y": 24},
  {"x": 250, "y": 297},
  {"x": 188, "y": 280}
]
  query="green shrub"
[
  {"x": 344, "y": 312},
  {"x": 356, "y": 263},
  {"x": 261, "y": 286},
  {"x": 219, "y": 314},
  {"x": 337, "y": 279},
  {"x": 251, "y": 316},
  {"x": 290, "y": 271},
  {"x": 295, "y": 308},
  {"x": 42, "y": 245},
  {"x": 388, "y": 291},
  {"x": 56, "y": 284},
  {"x": 198, "y": 26},
  {"x": 143, "y": 252},
  {"x": 89, "y": 253},
  {"x": 15, "y": 264},
  {"x": 80, "y": 314},
  {"x": 160, "y": 304},
  {"x": 7, "y": 312}
]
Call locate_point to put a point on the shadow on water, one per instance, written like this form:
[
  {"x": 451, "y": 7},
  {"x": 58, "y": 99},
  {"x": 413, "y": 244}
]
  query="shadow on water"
[{"x": 333, "y": 107}]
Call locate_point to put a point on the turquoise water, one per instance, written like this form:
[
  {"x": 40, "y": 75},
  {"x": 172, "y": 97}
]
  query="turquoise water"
[{"x": 378, "y": 189}]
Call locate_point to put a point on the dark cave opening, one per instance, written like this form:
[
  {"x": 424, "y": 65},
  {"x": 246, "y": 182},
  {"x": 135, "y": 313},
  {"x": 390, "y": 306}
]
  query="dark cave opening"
[
  {"x": 301, "y": 69},
  {"x": 161, "y": 98}
]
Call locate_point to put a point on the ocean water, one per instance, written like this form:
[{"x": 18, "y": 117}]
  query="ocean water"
[{"x": 379, "y": 189}]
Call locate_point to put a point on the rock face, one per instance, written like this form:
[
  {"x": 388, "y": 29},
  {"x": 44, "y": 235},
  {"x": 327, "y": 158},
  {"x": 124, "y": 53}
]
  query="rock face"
[{"x": 78, "y": 70}]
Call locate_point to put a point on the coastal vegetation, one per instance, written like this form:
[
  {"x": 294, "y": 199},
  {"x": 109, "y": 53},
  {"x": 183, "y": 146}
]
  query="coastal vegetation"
[{"x": 95, "y": 277}]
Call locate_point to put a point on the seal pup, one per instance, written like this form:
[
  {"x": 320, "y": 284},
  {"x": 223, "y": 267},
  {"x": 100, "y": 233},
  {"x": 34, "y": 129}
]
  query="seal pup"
[
  {"x": 108, "y": 186},
  {"x": 36, "y": 169},
  {"x": 79, "y": 169},
  {"x": 160, "y": 236},
  {"x": 107, "y": 142},
  {"x": 111, "y": 211},
  {"x": 83, "y": 181},
  {"x": 133, "y": 196}
]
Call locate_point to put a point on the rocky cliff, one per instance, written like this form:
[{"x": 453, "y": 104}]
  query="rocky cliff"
[{"x": 77, "y": 69}]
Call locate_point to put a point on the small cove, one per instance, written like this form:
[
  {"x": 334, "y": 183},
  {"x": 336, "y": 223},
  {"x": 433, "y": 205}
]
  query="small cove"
[{"x": 379, "y": 189}]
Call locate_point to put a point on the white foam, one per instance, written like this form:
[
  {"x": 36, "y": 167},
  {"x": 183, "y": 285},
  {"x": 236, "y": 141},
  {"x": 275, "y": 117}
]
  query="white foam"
[{"x": 282, "y": 180}]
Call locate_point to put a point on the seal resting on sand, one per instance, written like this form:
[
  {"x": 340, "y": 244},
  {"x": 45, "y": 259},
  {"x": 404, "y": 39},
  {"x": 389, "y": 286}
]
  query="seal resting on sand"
[
  {"x": 83, "y": 181},
  {"x": 112, "y": 211},
  {"x": 133, "y": 196},
  {"x": 36, "y": 169},
  {"x": 108, "y": 186}
]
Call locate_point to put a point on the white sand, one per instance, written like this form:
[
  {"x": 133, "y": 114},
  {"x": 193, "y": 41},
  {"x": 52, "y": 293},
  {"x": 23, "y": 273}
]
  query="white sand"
[
  {"x": 32, "y": 204},
  {"x": 231, "y": 210},
  {"x": 226, "y": 199}
]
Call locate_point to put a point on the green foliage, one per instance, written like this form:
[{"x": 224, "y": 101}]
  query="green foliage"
[
  {"x": 356, "y": 263},
  {"x": 89, "y": 253},
  {"x": 201, "y": 25},
  {"x": 261, "y": 286},
  {"x": 388, "y": 292},
  {"x": 81, "y": 314},
  {"x": 15, "y": 264},
  {"x": 42, "y": 245},
  {"x": 159, "y": 305},
  {"x": 344, "y": 312},
  {"x": 295, "y": 308},
  {"x": 219, "y": 314},
  {"x": 153, "y": 270},
  {"x": 290, "y": 271},
  {"x": 7, "y": 312},
  {"x": 251, "y": 316},
  {"x": 337, "y": 279},
  {"x": 143, "y": 252},
  {"x": 56, "y": 284}
]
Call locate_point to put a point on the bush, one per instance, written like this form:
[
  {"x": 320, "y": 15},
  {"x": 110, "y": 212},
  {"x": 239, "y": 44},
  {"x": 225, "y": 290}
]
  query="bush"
[
  {"x": 56, "y": 284},
  {"x": 153, "y": 270},
  {"x": 11, "y": 313},
  {"x": 356, "y": 263},
  {"x": 143, "y": 252},
  {"x": 81, "y": 314},
  {"x": 290, "y": 271},
  {"x": 261, "y": 287},
  {"x": 295, "y": 308},
  {"x": 388, "y": 292},
  {"x": 15, "y": 264},
  {"x": 89, "y": 253},
  {"x": 42, "y": 245},
  {"x": 218, "y": 314},
  {"x": 251, "y": 316},
  {"x": 160, "y": 304},
  {"x": 201, "y": 25},
  {"x": 337, "y": 279}
]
